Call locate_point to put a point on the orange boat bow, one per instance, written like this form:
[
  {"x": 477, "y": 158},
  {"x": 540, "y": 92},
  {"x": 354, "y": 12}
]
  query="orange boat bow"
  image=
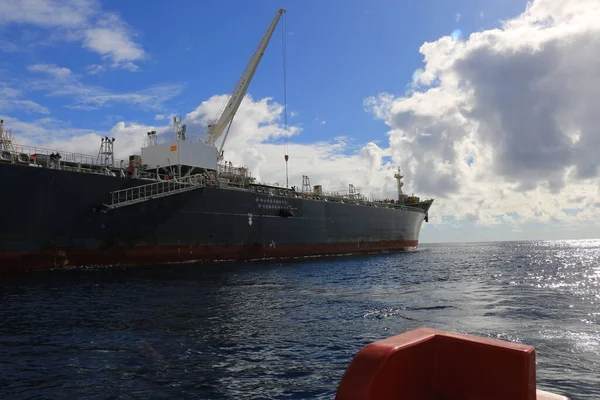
[{"x": 430, "y": 364}]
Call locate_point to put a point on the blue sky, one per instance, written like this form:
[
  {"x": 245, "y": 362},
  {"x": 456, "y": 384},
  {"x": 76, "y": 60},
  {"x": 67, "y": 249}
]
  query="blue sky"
[
  {"x": 339, "y": 52},
  {"x": 115, "y": 67}
]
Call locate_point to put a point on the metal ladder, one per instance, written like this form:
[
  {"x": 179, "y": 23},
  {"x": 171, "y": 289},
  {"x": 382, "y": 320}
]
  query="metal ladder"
[{"x": 139, "y": 194}]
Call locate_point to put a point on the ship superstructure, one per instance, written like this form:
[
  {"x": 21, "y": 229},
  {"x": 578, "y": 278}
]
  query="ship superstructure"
[{"x": 179, "y": 200}]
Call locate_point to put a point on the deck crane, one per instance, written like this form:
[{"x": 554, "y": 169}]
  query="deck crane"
[{"x": 225, "y": 119}]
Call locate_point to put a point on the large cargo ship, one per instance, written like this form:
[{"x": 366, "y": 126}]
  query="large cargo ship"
[{"x": 179, "y": 201}]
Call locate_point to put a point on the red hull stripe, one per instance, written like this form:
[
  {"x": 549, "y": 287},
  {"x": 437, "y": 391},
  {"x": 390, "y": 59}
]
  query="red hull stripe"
[{"x": 165, "y": 254}]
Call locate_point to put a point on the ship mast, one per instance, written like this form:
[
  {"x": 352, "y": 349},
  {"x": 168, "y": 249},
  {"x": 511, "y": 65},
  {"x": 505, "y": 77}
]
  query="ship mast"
[
  {"x": 6, "y": 143},
  {"x": 180, "y": 130},
  {"x": 106, "y": 157},
  {"x": 399, "y": 176},
  {"x": 225, "y": 119}
]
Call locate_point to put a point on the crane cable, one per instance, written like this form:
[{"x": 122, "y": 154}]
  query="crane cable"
[
  {"x": 284, "y": 53},
  {"x": 285, "y": 110}
]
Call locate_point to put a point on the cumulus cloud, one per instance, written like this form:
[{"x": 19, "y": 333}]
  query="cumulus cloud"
[
  {"x": 254, "y": 123},
  {"x": 58, "y": 135},
  {"x": 256, "y": 141},
  {"x": 517, "y": 102},
  {"x": 77, "y": 20},
  {"x": 112, "y": 39}
]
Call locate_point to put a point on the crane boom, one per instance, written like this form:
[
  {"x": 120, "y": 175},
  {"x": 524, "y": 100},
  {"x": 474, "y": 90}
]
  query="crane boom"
[{"x": 216, "y": 130}]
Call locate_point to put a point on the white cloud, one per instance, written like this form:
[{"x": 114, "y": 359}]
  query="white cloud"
[
  {"x": 255, "y": 121},
  {"x": 481, "y": 15},
  {"x": 111, "y": 38},
  {"x": 10, "y": 100},
  {"x": 457, "y": 17},
  {"x": 91, "y": 97},
  {"x": 57, "y": 72},
  {"x": 8, "y": 46},
  {"x": 320, "y": 121},
  {"x": 60, "y": 136},
  {"x": 517, "y": 101},
  {"x": 253, "y": 141},
  {"x": 95, "y": 69},
  {"x": 77, "y": 20},
  {"x": 45, "y": 13},
  {"x": 379, "y": 106},
  {"x": 159, "y": 117},
  {"x": 27, "y": 105},
  {"x": 42, "y": 131},
  {"x": 9, "y": 93},
  {"x": 58, "y": 81}
]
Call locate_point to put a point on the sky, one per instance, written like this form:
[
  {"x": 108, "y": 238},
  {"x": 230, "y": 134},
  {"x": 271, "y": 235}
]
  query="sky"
[{"x": 489, "y": 107}]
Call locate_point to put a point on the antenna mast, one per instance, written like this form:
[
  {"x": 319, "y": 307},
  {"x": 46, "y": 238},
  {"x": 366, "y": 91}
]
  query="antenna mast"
[
  {"x": 305, "y": 184},
  {"x": 179, "y": 132},
  {"x": 106, "y": 157},
  {"x": 286, "y": 170},
  {"x": 399, "y": 176}
]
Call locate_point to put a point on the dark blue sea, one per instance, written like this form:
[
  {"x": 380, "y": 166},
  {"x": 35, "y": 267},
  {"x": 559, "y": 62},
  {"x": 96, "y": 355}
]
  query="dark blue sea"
[{"x": 288, "y": 330}]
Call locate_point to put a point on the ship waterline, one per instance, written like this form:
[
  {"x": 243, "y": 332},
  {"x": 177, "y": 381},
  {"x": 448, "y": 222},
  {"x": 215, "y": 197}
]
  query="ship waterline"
[{"x": 161, "y": 255}]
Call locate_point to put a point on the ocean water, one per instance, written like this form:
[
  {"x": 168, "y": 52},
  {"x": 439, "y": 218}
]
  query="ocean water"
[{"x": 288, "y": 330}]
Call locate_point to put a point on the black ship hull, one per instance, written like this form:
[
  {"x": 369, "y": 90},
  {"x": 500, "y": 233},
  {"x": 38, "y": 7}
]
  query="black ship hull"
[{"x": 53, "y": 218}]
